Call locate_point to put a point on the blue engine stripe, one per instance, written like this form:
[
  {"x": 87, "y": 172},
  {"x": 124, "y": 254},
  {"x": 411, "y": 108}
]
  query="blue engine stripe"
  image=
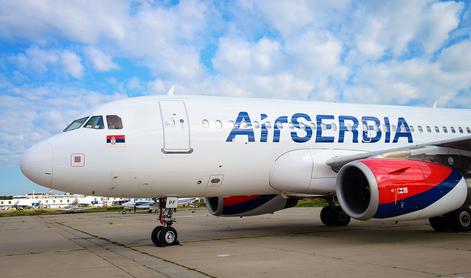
[
  {"x": 117, "y": 140},
  {"x": 247, "y": 206},
  {"x": 419, "y": 201}
]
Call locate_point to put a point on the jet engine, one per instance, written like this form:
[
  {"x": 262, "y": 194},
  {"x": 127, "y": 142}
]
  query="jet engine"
[
  {"x": 248, "y": 205},
  {"x": 399, "y": 189}
]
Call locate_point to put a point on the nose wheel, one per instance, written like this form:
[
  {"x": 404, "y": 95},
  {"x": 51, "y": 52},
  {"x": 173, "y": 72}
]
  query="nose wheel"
[{"x": 164, "y": 234}]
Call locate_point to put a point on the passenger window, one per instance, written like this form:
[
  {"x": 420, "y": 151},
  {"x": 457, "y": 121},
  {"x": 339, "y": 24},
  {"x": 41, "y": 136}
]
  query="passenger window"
[
  {"x": 437, "y": 130},
  {"x": 114, "y": 122},
  {"x": 95, "y": 122},
  {"x": 393, "y": 128},
  {"x": 428, "y": 129},
  {"x": 205, "y": 123},
  {"x": 453, "y": 129},
  {"x": 218, "y": 124},
  {"x": 333, "y": 127},
  {"x": 420, "y": 128},
  {"x": 445, "y": 129},
  {"x": 403, "y": 129},
  {"x": 291, "y": 126},
  {"x": 411, "y": 128},
  {"x": 75, "y": 124},
  {"x": 468, "y": 130},
  {"x": 460, "y": 129}
]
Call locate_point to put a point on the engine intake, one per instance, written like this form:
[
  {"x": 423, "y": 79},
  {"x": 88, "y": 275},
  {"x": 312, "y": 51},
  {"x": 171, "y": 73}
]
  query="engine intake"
[{"x": 399, "y": 188}]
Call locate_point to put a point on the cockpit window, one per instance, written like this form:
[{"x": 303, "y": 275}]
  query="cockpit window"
[
  {"x": 114, "y": 122},
  {"x": 75, "y": 124},
  {"x": 95, "y": 122}
]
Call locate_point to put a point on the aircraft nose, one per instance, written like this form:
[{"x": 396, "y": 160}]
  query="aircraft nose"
[{"x": 36, "y": 164}]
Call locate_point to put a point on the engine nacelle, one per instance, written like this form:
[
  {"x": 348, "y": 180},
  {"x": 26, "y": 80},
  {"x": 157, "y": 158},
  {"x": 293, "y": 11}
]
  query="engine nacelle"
[
  {"x": 248, "y": 205},
  {"x": 399, "y": 189}
]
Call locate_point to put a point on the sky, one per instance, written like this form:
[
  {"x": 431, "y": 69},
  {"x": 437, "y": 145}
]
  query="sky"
[{"x": 60, "y": 58}]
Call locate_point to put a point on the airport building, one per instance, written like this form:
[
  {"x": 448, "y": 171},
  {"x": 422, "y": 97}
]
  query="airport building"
[{"x": 52, "y": 200}]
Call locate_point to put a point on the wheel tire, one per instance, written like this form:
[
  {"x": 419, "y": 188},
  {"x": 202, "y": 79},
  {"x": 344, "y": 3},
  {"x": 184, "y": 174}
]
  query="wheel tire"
[
  {"x": 460, "y": 220},
  {"x": 440, "y": 223},
  {"x": 341, "y": 218},
  {"x": 326, "y": 216},
  {"x": 155, "y": 236},
  {"x": 168, "y": 236}
]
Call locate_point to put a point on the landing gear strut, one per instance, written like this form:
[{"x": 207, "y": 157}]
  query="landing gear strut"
[
  {"x": 455, "y": 221},
  {"x": 165, "y": 234},
  {"x": 333, "y": 215}
]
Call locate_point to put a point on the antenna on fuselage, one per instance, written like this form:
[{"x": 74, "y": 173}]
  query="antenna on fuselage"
[
  {"x": 171, "y": 91},
  {"x": 435, "y": 104}
]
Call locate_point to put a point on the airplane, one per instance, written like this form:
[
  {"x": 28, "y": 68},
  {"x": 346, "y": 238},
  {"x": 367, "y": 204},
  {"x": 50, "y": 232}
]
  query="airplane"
[
  {"x": 74, "y": 207},
  {"x": 250, "y": 156},
  {"x": 133, "y": 205}
]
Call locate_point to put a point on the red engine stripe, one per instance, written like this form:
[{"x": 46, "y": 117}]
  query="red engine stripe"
[
  {"x": 399, "y": 179},
  {"x": 235, "y": 200},
  {"x": 116, "y": 136}
]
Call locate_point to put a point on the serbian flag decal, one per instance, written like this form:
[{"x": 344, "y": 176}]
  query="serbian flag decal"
[{"x": 115, "y": 139}]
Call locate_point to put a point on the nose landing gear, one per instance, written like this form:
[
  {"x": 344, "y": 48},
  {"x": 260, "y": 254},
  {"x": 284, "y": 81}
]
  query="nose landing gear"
[{"x": 165, "y": 234}]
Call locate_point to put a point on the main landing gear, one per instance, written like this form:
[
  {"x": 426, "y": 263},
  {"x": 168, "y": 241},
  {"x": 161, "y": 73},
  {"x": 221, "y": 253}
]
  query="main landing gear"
[
  {"x": 166, "y": 235},
  {"x": 455, "y": 221},
  {"x": 333, "y": 215}
]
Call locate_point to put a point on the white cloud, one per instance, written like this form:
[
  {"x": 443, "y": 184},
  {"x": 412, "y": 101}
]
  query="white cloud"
[
  {"x": 439, "y": 20},
  {"x": 72, "y": 64},
  {"x": 290, "y": 18},
  {"x": 407, "y": 82},
  {"x": 391, "y": 26},
  {"x": 40, "y": 61},
  {"x": 76, "y": 20},
  {"x": 236, "y": 56},
  {"x": 36, "y": 60},
  {"x": 457, "y": 58},
  {"x": 100, "y": 60}
]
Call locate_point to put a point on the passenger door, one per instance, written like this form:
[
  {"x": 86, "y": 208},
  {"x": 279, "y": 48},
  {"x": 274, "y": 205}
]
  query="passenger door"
[{"x": 176, "y": 127}]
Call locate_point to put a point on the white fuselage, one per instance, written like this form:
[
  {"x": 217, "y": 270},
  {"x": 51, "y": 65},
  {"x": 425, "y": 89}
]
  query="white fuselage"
[{"x": 188, "y": 146}]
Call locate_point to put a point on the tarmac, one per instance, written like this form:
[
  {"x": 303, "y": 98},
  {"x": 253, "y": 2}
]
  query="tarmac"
[{"x": 289, "y": 243}]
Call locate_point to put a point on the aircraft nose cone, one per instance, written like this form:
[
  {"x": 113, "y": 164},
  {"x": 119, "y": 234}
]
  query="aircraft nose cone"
[{"x": 36, "y": 164}]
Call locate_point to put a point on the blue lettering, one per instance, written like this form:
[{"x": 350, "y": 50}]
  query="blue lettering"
[
  {"x": 307, "y": 128},
  {"x": 374, "y": 127},
  {"x": 319, "y": 137},
  {"x": 402, "y": 131},
  {"x": 387, "y": 136},
  {"x": 343, "y": 128},
  {"x": 242, "y": 117},
  {"x": 264, "y": 133},
  {"x": 276, "y": 129}
]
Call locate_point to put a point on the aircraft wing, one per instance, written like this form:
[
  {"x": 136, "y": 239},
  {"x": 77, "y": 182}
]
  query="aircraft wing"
[{"x": 455, "y": 152}]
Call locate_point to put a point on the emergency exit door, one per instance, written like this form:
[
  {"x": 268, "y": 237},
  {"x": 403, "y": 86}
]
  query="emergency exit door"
[{"x": 176, "y": 128}]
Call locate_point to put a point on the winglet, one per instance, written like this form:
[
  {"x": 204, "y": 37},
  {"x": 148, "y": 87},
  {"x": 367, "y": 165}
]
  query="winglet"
[
  {"x": 435, "y": 104},
  {"x": 171, "y": 91}
]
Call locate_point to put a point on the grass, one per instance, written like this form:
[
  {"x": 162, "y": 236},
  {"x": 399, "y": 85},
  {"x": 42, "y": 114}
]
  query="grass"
[
  {"x": 32, "y": 212},
  {"x": 312, "y": 202}
]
